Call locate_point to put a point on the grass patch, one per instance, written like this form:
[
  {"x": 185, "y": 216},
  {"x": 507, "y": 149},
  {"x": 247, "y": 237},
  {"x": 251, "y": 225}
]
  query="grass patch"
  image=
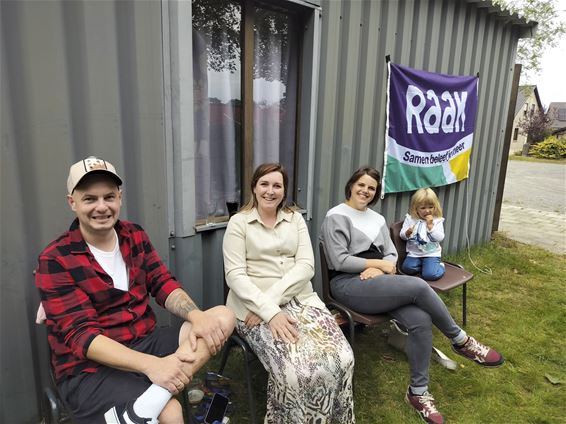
[
  {"x": 533, "y": 159},
  {"x": 520, "y": 309}
]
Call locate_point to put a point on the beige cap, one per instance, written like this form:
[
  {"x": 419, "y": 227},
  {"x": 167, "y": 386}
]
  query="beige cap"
[{"x": 86, "y": 166}]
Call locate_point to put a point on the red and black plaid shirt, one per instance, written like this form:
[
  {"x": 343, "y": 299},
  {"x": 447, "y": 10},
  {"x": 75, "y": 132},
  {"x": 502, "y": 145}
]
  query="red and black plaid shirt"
[{"x": 81, "y": 302}]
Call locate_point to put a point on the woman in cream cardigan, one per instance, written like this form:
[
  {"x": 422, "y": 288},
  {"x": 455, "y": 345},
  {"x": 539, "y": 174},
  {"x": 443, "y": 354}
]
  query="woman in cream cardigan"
[{"x": 269, "y": 261}]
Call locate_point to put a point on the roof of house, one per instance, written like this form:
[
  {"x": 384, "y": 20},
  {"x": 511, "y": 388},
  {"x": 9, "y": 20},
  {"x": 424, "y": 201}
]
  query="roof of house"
[
  {"x": 557, "y": 112},
  {"x": 523, "y": 94}
]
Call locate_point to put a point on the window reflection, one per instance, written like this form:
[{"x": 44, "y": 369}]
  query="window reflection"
[
  {"x": 275, "y": 76},
  {"x": 217, "y": 105}
]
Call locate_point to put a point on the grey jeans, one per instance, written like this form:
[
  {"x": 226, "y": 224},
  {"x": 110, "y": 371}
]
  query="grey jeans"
[{"x": 409, "y": 300}]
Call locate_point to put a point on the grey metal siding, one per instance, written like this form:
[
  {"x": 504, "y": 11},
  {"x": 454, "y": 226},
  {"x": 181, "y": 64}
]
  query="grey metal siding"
[
  {"x": 84, "y": 77},
  {"x": 439, "y": 36}
]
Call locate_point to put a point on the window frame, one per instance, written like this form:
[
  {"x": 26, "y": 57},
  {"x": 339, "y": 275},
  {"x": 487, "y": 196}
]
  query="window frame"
[
  {"x": 178, "y": 111},
  {"x": 248, "y": 8}
]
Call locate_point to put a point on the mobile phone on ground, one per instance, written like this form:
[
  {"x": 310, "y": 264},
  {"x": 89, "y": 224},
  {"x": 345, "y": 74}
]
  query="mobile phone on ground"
[{"x": 217, "y": 409}]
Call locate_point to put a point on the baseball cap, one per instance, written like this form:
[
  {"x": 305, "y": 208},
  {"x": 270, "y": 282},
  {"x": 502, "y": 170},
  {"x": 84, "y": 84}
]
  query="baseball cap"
[{"x": 87, "y": 166}]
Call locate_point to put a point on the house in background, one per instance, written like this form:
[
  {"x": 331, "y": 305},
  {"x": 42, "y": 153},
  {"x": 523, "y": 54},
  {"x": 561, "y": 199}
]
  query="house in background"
[
  {"x": 557, "y": 112},
  {"x": 560, "y": 133},
  {"x": 528, "y": 102}
]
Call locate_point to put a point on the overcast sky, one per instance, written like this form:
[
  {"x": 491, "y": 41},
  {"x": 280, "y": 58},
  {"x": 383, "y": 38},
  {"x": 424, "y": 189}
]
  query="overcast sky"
[{"x": 551, "y": 82}]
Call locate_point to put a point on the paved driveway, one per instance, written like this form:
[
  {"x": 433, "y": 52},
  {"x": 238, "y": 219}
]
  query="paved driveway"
[{"x": 534, "y": 204}]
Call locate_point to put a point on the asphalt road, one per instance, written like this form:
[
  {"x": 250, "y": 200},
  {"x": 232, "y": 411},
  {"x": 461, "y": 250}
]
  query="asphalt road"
[{"x": 540, "y": 186}]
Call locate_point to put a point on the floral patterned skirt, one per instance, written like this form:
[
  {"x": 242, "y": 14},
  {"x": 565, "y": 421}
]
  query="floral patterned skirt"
[{"x": 310, "y": 381}]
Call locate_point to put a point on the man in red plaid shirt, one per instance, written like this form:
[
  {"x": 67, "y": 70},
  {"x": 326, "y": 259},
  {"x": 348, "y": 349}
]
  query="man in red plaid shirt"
[{"x": 111, "y": 362}]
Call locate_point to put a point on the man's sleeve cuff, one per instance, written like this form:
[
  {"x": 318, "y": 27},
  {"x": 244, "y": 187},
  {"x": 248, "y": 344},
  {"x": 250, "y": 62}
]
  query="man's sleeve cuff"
[
  {"x": 82, "y": 343},
  {"x": 167, "y": 288}
]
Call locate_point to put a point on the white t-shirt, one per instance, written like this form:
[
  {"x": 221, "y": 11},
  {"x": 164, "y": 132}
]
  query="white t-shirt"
[{"x": 113, "y": 264}]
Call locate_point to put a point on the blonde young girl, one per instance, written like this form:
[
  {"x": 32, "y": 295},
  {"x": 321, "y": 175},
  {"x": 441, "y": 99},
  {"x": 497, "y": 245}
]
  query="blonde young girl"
[{"x": 424, "y": 230}]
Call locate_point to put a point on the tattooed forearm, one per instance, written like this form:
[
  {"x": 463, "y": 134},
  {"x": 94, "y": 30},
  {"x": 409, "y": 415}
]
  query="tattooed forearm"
[{"x": 180, "y": 304}]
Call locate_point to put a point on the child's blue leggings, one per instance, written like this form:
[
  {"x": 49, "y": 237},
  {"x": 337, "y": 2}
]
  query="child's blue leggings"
[{"x": 430, "y": 268}]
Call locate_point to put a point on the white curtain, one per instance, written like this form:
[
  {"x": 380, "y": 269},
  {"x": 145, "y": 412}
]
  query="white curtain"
[
  {"x": 217, "y": 120},
  {"x": 275, "y": 90}
]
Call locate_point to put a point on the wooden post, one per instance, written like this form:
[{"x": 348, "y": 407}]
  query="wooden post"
[{"x": 506, "y": 145}]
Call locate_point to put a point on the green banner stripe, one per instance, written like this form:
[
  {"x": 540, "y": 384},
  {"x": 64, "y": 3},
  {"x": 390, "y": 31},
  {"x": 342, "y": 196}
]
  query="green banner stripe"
[{"x": 401, "y": 177}]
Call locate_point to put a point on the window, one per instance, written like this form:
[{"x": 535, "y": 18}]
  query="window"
[
  {"x": 562, "y": 114},
  {"x": 532, "y": 109},
  {"x": 515, "y": 133},
  {"x": 246, "y": 86}
]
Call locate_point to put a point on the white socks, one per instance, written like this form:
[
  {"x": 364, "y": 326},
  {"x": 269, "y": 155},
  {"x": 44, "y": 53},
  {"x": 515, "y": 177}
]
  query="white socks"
[
  {"x": 419, "y": 391},
  {"x": 460, "y": 338},
  {"x": 152, "y": 401}
]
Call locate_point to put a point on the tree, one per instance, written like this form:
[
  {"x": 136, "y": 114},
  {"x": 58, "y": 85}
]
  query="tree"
[
  {"x": 217, "y": 26},
  {"x": 536, "y": 126},
  {"x": 549, "y": 30}
]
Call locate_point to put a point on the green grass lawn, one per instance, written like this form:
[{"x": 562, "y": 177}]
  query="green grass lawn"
[
  {"x": 533, "y": 159},
  {"x": 520, "y": 309}
]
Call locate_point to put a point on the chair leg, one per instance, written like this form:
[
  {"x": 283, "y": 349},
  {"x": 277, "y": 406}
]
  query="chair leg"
[
  {"x": 352, "y": 330},
  {"x": 248, "y": 357},
  {"x": 185, "y": 401},
  {"x": 251, "y": 400},
  {"x": 464, "y": 304},
  {"x": 225, "y": 352}
]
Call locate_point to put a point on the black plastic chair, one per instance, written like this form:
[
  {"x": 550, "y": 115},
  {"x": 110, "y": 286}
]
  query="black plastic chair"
[
  {"x": 54, "y": 410},
  {"x": 53, "y": 407},
  {"x": 351, "y": 316},
  {"x": 454, "y": 276}
]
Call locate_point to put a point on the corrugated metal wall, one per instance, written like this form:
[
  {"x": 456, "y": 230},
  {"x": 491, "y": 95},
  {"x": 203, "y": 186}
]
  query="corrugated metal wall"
[
  {"x": 452, "y": 37},
  {"x": 81, "y": 77}
]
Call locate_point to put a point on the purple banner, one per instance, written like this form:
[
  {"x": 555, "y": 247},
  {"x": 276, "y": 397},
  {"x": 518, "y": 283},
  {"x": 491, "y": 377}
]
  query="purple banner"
[{"x": 430, "y": 125}]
